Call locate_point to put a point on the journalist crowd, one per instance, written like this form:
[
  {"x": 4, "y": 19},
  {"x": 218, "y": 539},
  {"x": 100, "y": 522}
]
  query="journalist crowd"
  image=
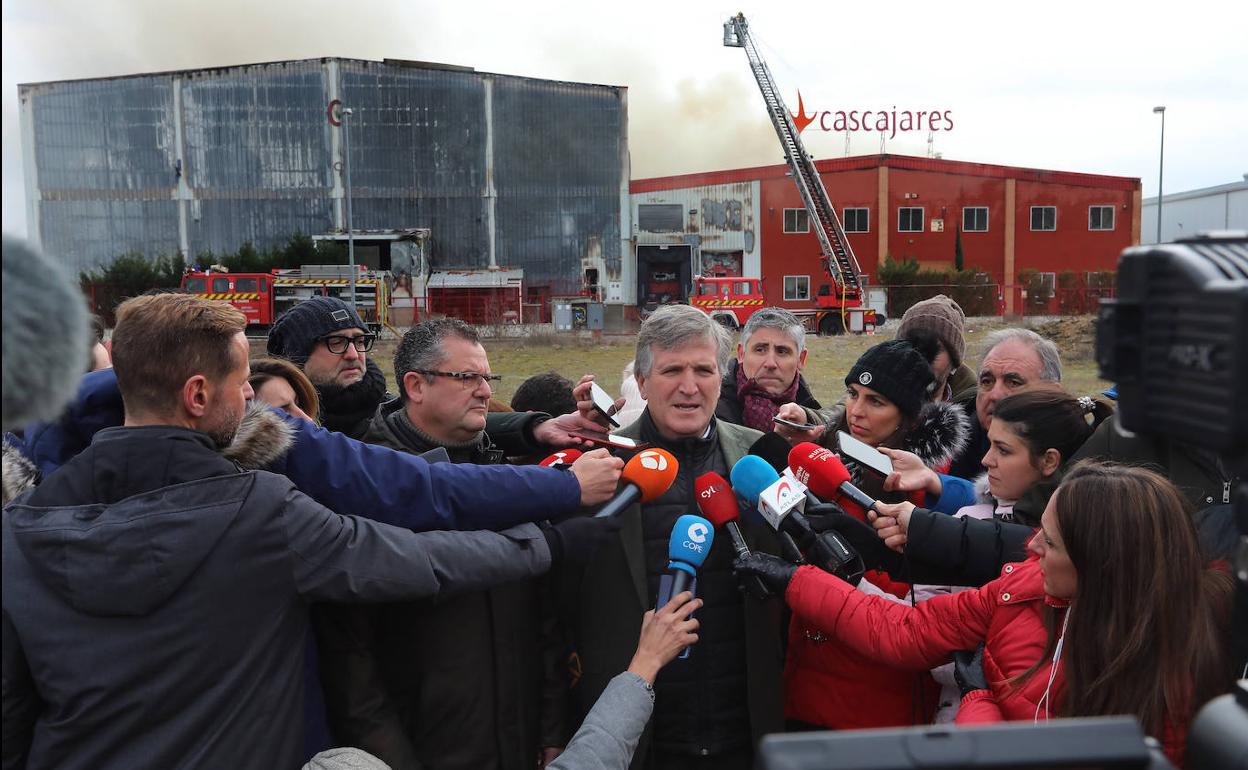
[{"x": 215, "y": 559}]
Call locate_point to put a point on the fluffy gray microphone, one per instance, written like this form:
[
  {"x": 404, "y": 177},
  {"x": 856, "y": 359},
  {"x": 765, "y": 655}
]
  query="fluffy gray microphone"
[{"x": 45, "y": 336}]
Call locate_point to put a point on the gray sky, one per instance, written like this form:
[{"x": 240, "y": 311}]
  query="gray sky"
[{"x": 1064, "y": 85}]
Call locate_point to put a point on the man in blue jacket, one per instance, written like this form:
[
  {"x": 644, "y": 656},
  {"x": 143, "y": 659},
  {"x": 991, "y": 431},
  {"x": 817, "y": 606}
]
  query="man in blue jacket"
[{"x": 155, "y": 598}]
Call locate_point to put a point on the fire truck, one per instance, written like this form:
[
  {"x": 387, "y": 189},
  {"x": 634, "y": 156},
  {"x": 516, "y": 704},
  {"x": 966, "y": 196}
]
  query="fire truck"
[
  {"x": 264, "y": 297},
  {"x": 838, "y": 306}
]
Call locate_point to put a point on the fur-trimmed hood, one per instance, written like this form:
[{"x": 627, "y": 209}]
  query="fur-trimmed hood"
[
  {"x": 262, "y": 438},
  {"x": 20, "y": 474}
]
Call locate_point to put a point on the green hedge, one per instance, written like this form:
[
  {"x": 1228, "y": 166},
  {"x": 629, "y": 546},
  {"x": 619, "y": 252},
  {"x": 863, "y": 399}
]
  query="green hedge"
[{"x": 908, "y": 283}]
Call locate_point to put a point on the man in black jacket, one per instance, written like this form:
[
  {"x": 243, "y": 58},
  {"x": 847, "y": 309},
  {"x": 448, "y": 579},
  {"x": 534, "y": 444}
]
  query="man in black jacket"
[
  {"x": 155, "y": 597},
  {"x": 767, "y": 371},
  {"x": 475, "y": 683}
]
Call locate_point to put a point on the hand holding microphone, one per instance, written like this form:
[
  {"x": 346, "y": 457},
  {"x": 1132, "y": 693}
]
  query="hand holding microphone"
[
  {"x": 646, "y": 477},
  {"x": 891, "y": 521},
  {"x": 664, "y": 633},
  {"x": 598, "y": 473},
  {"x": 775, "y": 573},
  {"x": 562, "y": 459}
]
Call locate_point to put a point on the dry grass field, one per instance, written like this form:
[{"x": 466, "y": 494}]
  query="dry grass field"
[{"x": 829, "y": 359}]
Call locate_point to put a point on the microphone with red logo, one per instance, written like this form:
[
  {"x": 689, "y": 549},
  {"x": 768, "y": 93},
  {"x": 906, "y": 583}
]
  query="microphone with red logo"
[
  {"x": 719, "y": 505},
  {"x": 825, "y": 474},
  {"x": 561, "y": 459},
  {"x": 646, "y": 477}
]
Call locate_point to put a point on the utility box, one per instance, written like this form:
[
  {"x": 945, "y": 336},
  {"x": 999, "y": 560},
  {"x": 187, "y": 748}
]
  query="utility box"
[{"x": 577, "y": 314}]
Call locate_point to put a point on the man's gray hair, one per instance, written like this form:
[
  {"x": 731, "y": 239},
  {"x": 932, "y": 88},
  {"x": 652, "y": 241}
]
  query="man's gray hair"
[
  {"x": 674, "y": 326},
  {"x": 421, "y": 347},
  {"x": 775, "y": 318},
  {"x": 1050, "y": 358}
]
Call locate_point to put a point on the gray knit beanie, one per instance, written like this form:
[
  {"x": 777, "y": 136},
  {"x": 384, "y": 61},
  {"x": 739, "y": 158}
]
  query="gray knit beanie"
[
  {"x": 944, "y": 318},
  {"x": 299, "y": 328},
  {"x": 345, "y": 759}
]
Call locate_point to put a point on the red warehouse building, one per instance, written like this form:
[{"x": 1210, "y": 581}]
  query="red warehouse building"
[{"x": 751, "y": 222}]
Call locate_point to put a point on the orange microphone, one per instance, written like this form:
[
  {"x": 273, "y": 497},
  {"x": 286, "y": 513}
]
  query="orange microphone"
[{"x": 646, "y": 477}]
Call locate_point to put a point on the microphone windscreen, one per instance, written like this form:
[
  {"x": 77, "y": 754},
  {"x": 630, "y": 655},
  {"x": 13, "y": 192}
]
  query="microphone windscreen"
[
  {"x": 691, "y": 541},
  {"x": 652, "y": 471},
  {"x": 562, "y": 457},
  {"x": 774, "y": 449},
  {"x": 715, "y": 499},
  {"x": 750, "y": 476},
  {"x": 819, "y": 469}
]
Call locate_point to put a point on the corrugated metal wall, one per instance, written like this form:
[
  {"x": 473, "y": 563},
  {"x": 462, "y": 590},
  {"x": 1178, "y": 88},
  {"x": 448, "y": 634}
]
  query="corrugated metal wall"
[{"x": 533, "y": 172}]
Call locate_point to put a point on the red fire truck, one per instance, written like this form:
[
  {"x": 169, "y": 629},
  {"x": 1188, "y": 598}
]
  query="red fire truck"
[
  {"x": 264, "y": 297},
  {"x": 731, "y": 300}
]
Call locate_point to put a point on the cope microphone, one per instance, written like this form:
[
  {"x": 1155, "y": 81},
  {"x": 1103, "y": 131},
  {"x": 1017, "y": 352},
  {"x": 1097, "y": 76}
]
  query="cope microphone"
[
  {"x": 646, "y": 477},
  {"x": 719, "y": 505},
  {"x": 561, "y": 459},
  {"x": 688, "y": 547},
  {"x": 826, "y": 475}
]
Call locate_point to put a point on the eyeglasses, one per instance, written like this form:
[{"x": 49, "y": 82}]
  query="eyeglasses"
[
  {"x": 337, "y": 343},
  {"x": 465, "y": 378}
]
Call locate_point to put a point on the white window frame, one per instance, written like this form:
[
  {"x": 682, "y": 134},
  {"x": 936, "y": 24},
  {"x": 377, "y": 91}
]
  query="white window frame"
[
  {"x": 1031, "y": 220},
  {"x": 987, "y": 223},
  {"x": 845, "y": 218},
  {"x": 797, "y": 283},
  {"x": 1112, "y": 218},
  {"x": 922, "y": 219},
  {"x": 805, "y": 214}
]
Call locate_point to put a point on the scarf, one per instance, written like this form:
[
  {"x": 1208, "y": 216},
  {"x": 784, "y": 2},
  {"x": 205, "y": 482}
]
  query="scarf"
[
  {"x": 758, "y": 407},
  {"x": 343, "y": 409}
]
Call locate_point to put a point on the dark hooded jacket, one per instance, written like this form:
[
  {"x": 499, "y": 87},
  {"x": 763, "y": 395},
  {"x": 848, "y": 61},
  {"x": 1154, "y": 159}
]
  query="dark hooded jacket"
[
  {"x": 729, "y": 408},
  {"x": 155, "y": 603},
  {"x": 476, "y": 682}
]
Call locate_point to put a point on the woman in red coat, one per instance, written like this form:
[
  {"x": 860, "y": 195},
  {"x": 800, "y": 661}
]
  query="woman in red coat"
[{"x": 1113, "y": 613}]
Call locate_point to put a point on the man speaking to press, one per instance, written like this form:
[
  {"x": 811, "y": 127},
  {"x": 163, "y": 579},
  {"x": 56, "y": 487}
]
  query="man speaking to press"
[{"x": 712, "y": 705}]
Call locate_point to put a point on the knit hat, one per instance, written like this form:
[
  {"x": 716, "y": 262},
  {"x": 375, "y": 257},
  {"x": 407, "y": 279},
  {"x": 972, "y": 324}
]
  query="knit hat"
[
  {"x": 897, "y": 371},
  {"x": 944, "y": 318},
  {"x": 299, "y": 328}
]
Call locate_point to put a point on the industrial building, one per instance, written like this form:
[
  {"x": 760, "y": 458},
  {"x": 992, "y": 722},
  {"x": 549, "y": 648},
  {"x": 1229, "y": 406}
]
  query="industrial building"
[
  {"x": 1183, "y": 214},
  {"x": 507, "y": 173},
  {"x": 752, "y": 222}
]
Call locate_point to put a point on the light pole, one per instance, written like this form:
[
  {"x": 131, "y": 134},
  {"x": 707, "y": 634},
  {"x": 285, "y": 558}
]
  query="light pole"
[
  {"x": 1161, "y": 165},
  {"x": 347, "y": 112}
]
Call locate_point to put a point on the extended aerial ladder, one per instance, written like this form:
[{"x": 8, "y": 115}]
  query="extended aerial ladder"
[{"x": 838, "y": 257}]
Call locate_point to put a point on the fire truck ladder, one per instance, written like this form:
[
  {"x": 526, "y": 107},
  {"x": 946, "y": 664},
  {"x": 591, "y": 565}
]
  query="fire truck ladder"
[{"x": 838, "y": 257}]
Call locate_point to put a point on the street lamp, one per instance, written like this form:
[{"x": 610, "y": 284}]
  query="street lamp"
[
  {"x": 346, "y": 164},
  {"x": 1161, "y": 165}
]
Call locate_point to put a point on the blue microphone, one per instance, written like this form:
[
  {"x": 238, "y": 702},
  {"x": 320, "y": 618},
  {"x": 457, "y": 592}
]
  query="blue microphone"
[
  {"x": 750, "y": 476},
  {"x": 688, "y": 547}
]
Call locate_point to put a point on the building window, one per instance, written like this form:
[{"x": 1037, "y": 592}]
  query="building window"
[
  {"x": 1100, "y": 217},
  {"x": 796, "y": 287},
  {"x": 858, "y": 220},
  {"x": 910, "y": 219},
  {"x": 796, "y": 221},
  {"x": 221, "y": 285},
  {"x": 661, "y": 217},
  {"x": 975, "y": 219},
  {"x": 1044, "y": 217}
]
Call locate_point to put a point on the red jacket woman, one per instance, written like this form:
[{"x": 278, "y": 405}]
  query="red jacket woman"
[{"x": 1087, "y": 626}]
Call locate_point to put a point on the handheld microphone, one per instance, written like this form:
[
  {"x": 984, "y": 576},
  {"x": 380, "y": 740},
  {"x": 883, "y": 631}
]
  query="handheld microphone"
[
  {"x": 756, "y": 481},
  {"x": 717, "y": 503},
  {"x": 779, "y": 499},
  {"x": 646, "y": 477},
  {"x": 561, "y": 459},
  {"x": 826, "y": 475},
  {"x": 687, "y": 549},
  {"x": 775, "y": 450}
]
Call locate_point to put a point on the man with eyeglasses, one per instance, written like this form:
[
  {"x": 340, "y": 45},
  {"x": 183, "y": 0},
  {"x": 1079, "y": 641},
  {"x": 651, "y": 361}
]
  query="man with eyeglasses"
[
  {"x": 326, "y": 338},
  {"x": 459, "y": 684}
]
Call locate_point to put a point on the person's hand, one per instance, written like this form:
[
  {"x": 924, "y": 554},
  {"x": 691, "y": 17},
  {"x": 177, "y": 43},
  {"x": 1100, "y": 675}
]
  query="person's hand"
[
  {"x": 598, "y": 474},
  {"x": 559, "y": 432},
  {"x": 968, "y": 670},
  {"x": 910, "y": 474},
  {"x": 794, "y": 413},
  {"x": 575, "y": 540},
  {"x": 664, "y": 633},
  {"x": 585, "y": 404},
  {"x": 774, "y": 571},
  {"x": 891, "y": 521},
  {"x": 547, "y": 755}
]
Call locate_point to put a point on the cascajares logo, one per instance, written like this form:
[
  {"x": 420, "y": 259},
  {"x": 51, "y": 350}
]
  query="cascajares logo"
[{"x": 882, "y": 121}]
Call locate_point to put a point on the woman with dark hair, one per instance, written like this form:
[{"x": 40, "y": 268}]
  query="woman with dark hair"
[
  {"x": 277, "y": 382},
  {"x": 1088, "y": 625},
  {"x": 887, "y": 403}
]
